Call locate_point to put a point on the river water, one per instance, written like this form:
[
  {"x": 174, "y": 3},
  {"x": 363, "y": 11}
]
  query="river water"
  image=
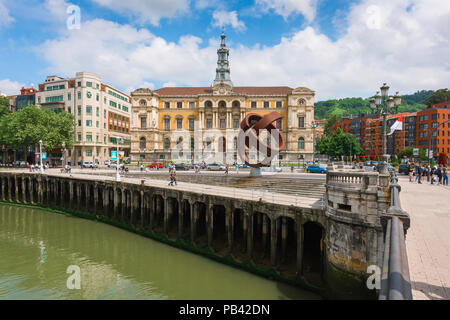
[{"x": 37, "y": 247}]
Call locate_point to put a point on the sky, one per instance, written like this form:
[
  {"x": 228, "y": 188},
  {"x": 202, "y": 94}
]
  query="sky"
[{"x": 338, "y": 48}]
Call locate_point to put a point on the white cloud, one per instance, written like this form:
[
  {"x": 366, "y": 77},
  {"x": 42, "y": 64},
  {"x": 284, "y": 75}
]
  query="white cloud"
[
  {"x": 203, "y": 4},
  {"x": 287, "y": 7},
  {"x": 57, "y": 8},
  {"x": 224, "y": 18},
  {"x": 409, "y": 51},
  {"x": 149, "y": 10},
  {"x": 10, "y": 87},
  {"x": 5, "y": 18},
  {"x": 169, "y": 84}
]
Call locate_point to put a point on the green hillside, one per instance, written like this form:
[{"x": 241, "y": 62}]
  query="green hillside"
[{"x": 359, "y": 106}]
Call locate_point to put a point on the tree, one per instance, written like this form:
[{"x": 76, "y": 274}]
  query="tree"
[
  {"x": 408, "y": 152},
  {"x": 31, "y": 124},
  {"x": 339, "y": 144},
  {"x": 330, "y": 122},
  {"x": 439, "y": 96}
]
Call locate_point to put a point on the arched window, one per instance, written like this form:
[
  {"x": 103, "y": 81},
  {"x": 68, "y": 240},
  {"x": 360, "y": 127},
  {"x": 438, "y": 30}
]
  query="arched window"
[
  {"x": 301, "y": 102},
  {"x": 222, "y": 144},
  {"x": 301, "y": 143},
  {"x": 143, "y": 102},
  {"x": 166, "y": 143},
  {"x": 142, "y": 143}
]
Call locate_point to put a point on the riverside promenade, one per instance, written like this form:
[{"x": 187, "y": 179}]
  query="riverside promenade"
[{"x": 428, "y": 239}]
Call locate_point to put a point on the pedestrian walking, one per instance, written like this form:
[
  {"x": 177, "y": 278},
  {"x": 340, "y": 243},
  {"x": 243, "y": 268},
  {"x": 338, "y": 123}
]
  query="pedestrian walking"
[
  {"x": 417, "y": 173},
  {"x": 439, "y": 174},
  {"x": 444, "y": 176},
  {"x": 411, "y": 171},
  {"x": 173, "y": 178},
  {"x": 226, "y": 169}
]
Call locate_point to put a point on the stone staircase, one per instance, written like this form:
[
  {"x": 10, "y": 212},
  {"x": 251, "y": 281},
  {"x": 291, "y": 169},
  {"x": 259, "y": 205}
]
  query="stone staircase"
[{"x": 301, "y": 186}]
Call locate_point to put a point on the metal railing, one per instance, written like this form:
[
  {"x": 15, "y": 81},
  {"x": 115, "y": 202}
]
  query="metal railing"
[{"x": 395, "y": 280}]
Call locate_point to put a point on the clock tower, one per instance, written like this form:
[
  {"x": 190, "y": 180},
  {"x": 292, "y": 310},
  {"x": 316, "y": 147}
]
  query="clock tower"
[{"x": 223, "y": 66}]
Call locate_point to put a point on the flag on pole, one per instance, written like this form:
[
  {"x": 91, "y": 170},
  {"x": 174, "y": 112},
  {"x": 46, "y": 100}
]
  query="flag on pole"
[{"x": 398, "y": 125}]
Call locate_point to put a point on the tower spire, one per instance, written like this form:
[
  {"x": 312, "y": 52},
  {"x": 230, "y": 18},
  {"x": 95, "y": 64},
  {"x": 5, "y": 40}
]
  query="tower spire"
[{"x": 223, "y": 65}]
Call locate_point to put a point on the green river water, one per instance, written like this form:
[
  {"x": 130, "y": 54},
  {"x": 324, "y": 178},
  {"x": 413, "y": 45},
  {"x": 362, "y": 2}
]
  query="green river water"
[{"x": 37, "y": 247}]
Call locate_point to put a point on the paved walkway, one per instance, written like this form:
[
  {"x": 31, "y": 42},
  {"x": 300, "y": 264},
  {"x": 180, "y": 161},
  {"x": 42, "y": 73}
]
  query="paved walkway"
[{"x": 428, "y": 239}]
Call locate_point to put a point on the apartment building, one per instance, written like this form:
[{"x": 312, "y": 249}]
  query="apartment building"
[{"x": 102, "y": 114}]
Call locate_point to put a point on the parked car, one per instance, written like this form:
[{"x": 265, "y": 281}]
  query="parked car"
[
  {"x": 156, "y": 165},
  {"x": 403, "y": 168},
  {"x": 315, "y": 168},
  {"x": 90, "y": 164},
  {"x": 20, "y": 164},
  {"x": 181, "y": 167},
  {"x": 110, "y": 163},
  {"x": 215, "y": 167}
]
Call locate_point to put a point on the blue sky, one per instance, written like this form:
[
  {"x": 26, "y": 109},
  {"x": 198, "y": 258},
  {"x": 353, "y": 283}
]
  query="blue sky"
[{"x": 337, "y": 48}]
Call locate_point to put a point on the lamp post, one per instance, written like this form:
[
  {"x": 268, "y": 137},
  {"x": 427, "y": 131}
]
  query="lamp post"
[
  {"x": 117, "y": 161},
  {"x": 383, "y": 104},
  {"x": 64, "y": 154},
  {"x": 314, "y": 126},
  {"x": 40, "y": 157}
]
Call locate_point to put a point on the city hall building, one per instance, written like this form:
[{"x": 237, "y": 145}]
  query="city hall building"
[{"x": 182, "y": 124}]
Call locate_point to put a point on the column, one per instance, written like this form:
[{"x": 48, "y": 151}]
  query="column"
[
  {"x": 70, "y": 194},
  {"x": 124, "y": 205},
  {"x": 132, "y": 207},
  {"x": 3, "y": 188},
  {"x": 229, "y": 226},
  {"x": 16, "y": 189},
  {"x": 193, "y": 216},
  {"x": 180, "y": 218},
  {"x": 9, "y": 188},
  {"x": 62, "y": 190},
  {"x": 116, "y": 203},
  {"x": 273, "y": 242},
  {"x": 283, "y": 238},
  {"x": 153, "y": 212},
  {"x": 105, "y": 201},
  {"x": 95, "y": 198},
  {"x": 166, "y": 215},
  {"x": 210, "y": 225},
  {"x": 24, "y": 193},
  {"x": 143, "y": 207},
  {"x": 249, "y": 215},
  {"x": 264, "y": 232},
  {"x": 299, "y": 227}
]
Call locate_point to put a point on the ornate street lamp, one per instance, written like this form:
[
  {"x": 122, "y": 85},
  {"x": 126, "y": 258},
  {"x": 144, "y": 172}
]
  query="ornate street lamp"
[{"x": 383, "y": 105}]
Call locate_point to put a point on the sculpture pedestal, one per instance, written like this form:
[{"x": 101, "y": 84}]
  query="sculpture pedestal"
[{"x": 255, "y": 172}]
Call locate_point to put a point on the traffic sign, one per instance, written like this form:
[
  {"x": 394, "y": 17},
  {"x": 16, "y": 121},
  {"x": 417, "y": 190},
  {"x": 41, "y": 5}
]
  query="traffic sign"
[
  {"x": 113, "y": 155},
  {"x": 416, "y": 152}
]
